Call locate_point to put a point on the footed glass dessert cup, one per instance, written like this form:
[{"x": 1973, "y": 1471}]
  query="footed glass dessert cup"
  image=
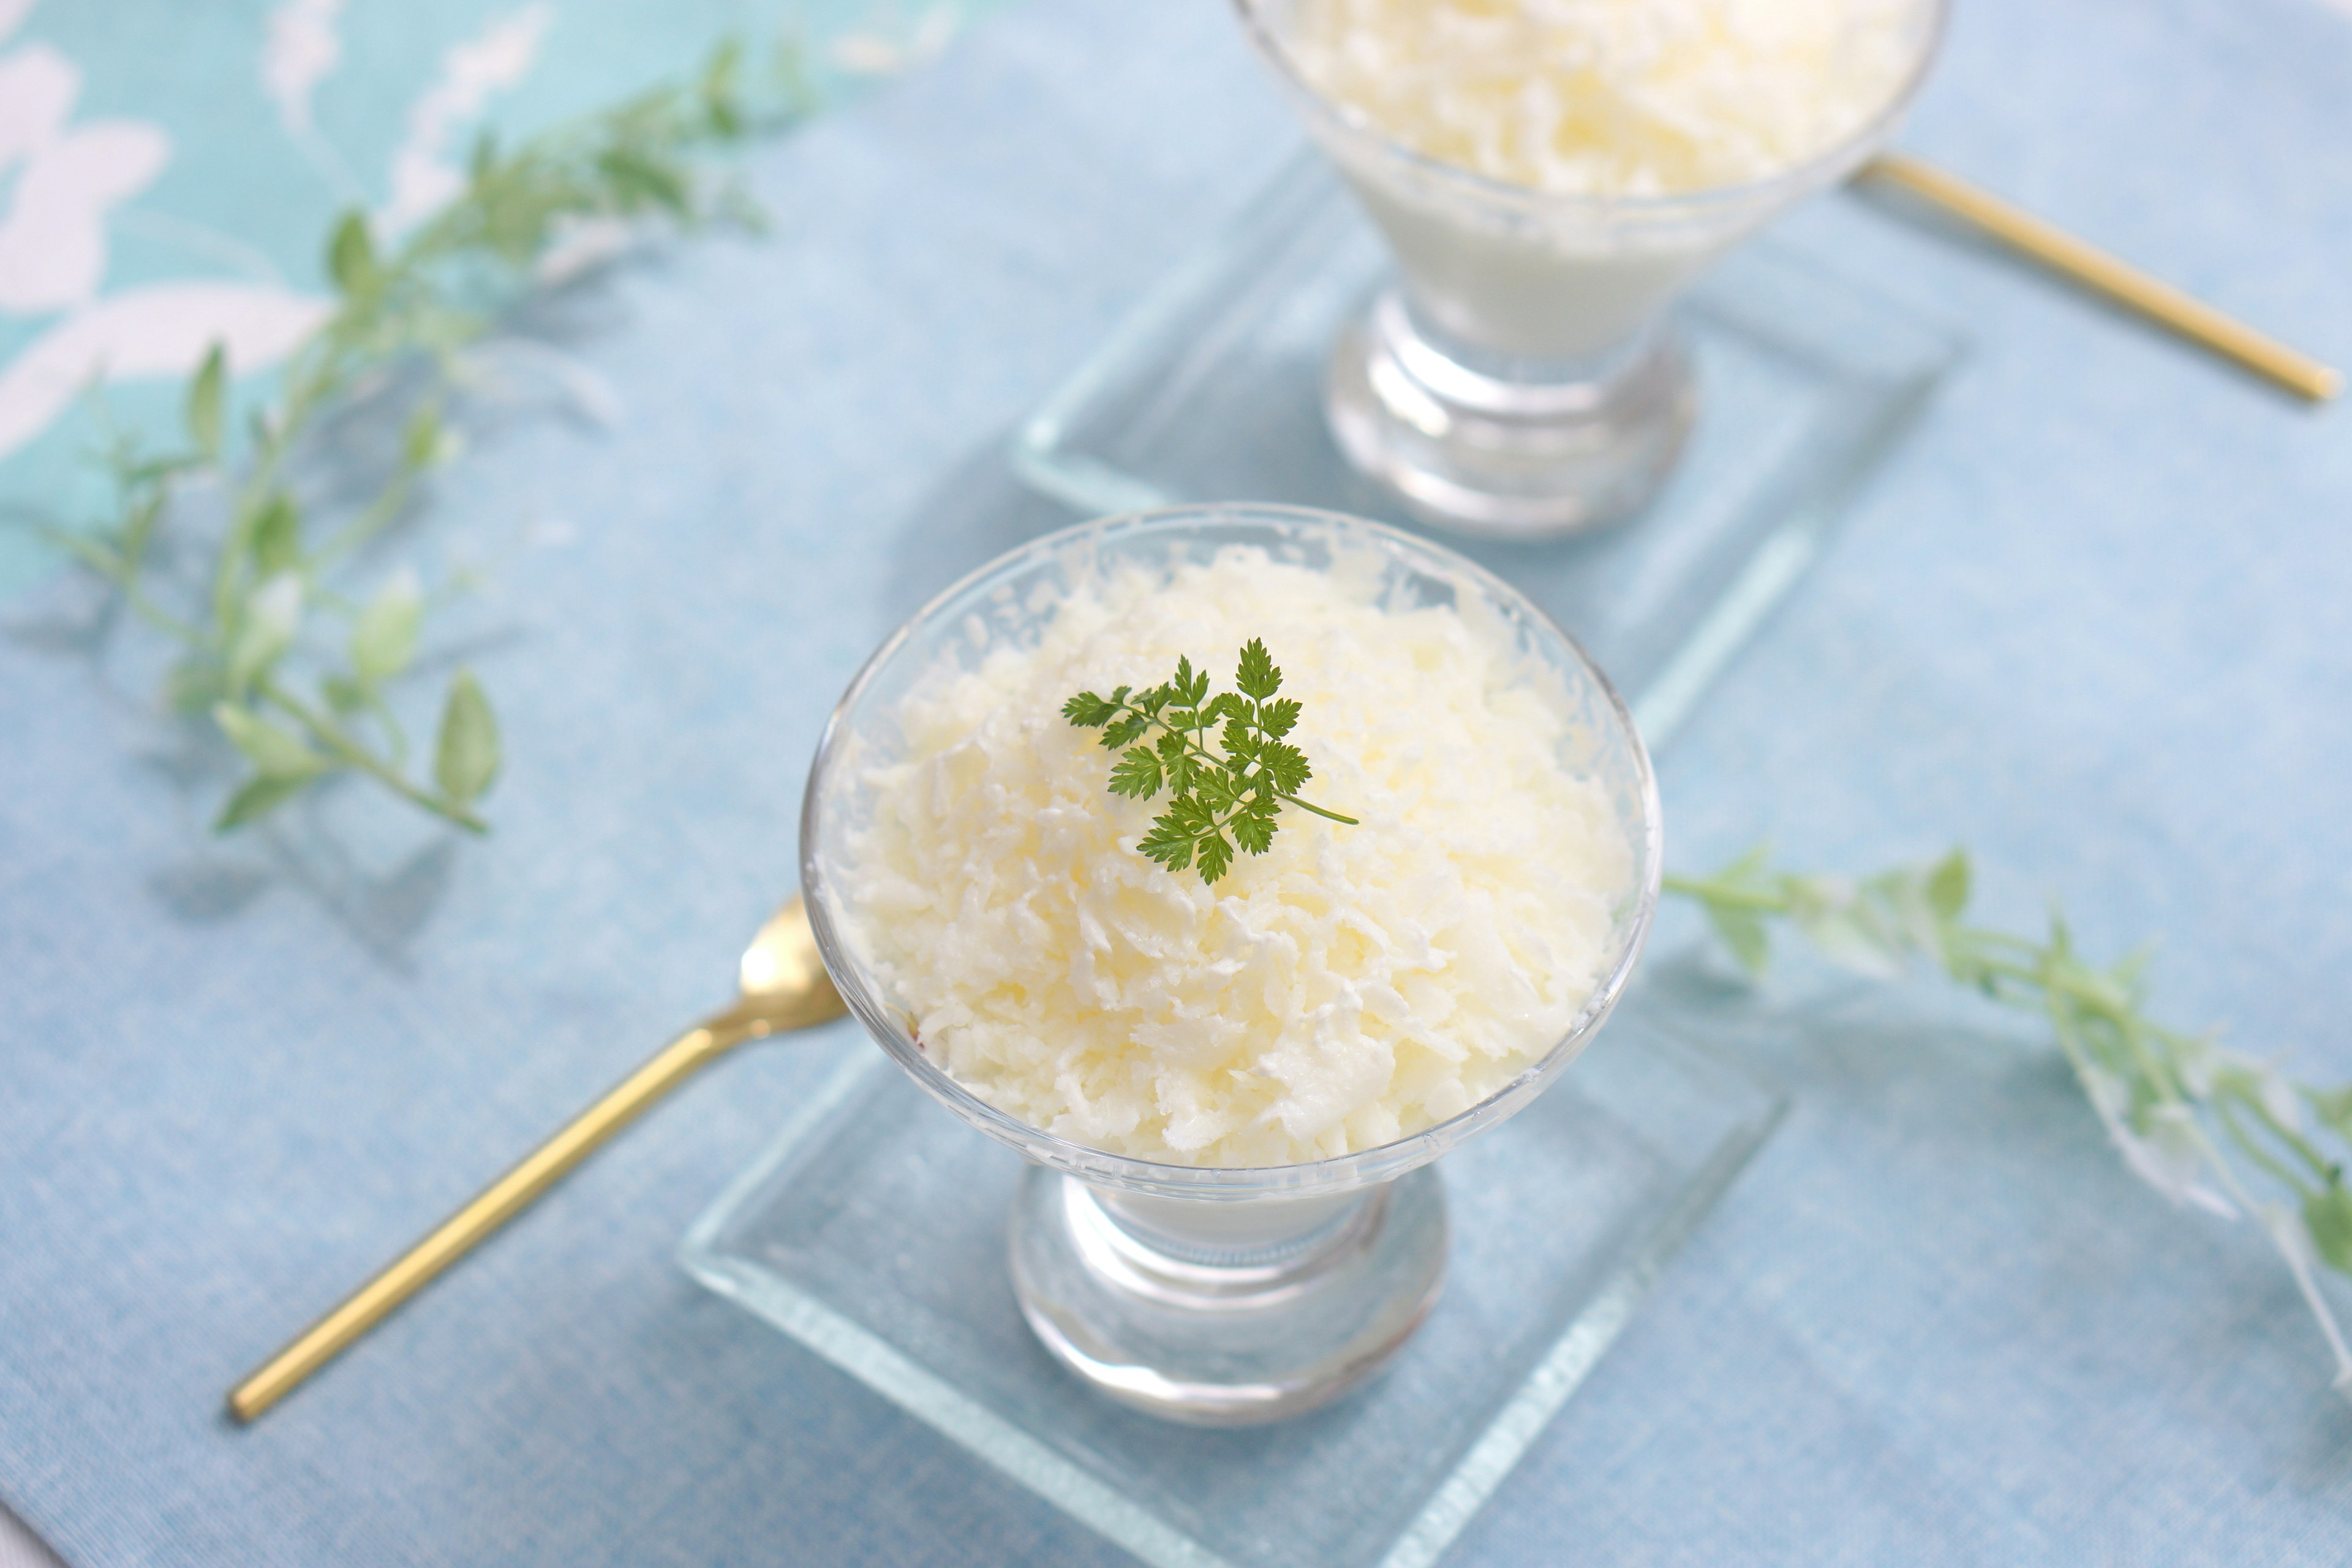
[
  {"x": 1211, "y": 1295},
  {"x": 1520, "y": 379}
]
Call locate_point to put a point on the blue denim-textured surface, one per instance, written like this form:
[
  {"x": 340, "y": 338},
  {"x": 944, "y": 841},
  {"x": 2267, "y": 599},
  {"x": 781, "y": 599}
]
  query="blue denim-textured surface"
[{"x": 2091, "y": 621}]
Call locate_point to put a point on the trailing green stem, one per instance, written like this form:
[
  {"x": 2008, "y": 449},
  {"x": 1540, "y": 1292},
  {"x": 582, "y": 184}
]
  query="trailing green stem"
[{"x": 2162, "y": 1095}]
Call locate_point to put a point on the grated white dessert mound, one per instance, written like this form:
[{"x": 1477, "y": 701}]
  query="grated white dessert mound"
[
  {"x": 1611, "y": 98},
  {"x": 1350, "y": 985}
]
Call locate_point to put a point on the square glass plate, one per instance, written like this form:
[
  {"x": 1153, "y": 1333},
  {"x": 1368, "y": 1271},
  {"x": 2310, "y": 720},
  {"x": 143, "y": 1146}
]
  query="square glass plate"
[
  {"x": 1212, "y": 390},
  {"x": 873, "y": 1231}
]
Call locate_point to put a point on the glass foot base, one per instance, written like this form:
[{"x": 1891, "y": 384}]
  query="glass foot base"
[
  {"x": 874, "y": 1232},
  {"x": 1232, "y": 1338},
  {"x": 1519, "y": 456}
]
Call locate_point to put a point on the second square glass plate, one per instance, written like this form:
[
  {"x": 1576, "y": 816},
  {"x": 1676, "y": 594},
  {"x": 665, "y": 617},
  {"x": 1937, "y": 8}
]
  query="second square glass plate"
[{"x": 1212, "y": 390}]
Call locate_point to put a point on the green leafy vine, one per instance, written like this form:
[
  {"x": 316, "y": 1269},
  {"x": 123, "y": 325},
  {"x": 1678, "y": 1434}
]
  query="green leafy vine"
[
  {"x": 259, "y": 639},
  {"x": 2205, "y": 1125}
]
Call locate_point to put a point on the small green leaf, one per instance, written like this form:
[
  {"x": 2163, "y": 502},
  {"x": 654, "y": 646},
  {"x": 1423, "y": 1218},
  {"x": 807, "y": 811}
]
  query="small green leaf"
[
  {"x": 192, "y": 685},
  {"x": 271, "y": 617},
  {"x": 1169, "y": 843},
  {"x": 255, "y": 798},
  {"x": 1124, "y": 733},
  {"x": 1947, "y": 885},
  {"x": 1215, "y": 855},
  {"x": 342, "y": 694},
  {"x": 421, "y": 447},
  {"x": 639, "y": 180},
  {"x": 466, "y": 758},
  {"x": 1258, "y": 677},
  {"x": 351, "y": 255},
  {"x": 1743, "y": 932},
  {"x": 1135, "y": 774},
  {"x": 276, "y": 536},
  {"x": 1088, "y": 712},
  {"x": 1286, "y": 765},
  {"x": 1254, "y": 829},
  {"x": 1279, "y": 717},
  {"x": 207, "y": 400},
  {"x": 384, "y": 639},
  {"x": 275, "y": 753},
  {"x": 2333, "y": 1105},
  {"x": 2327, "y": 1214},
  {"x": 719, "y": 92},
  {"x": 1749, "y": 870}
]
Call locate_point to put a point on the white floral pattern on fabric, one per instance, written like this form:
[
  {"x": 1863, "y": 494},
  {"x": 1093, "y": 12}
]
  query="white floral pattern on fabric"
[
  {"x": 303, "y": 51},
  {"x": 165, "y": 328},
  {"x": 62, "y": 182},
  {"x": 424, "y": 173},
  {"x": 53, "y": 234}
]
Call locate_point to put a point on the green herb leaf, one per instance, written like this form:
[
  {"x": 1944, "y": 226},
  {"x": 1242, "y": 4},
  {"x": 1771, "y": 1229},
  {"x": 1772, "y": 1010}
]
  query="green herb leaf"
[
  {"x": 422, "y": 447},
  {"x": 1253, "y": 825},
  {"x": 641, "y": 181},
  {"x": 1258, "y": 677},
  {"x": 1215, "y": 855},
  {"x": 272, "y": 613},
  {"x": 351, "y": 255},
  {"x": 2328, "y": 1215},
  {"x": 466, "y": 758},
  {"x": 343, "y": 694},
  {"x": 384, "y": 638},
  {"x": 1088, "y": 712},
  {"x": 1743, "y": 932},
  {"x": 2333, "y": 1107},
  {"x": 1137, "y": 775},
  {"x": 193, "y": 685},
  {"x": 275, "y": 753},
  {"x": 1286, "y": 765},
  {"x": 207, "y": 400},
  {"x": 1240, "y": 789},
  {"x": 276, "y": 536},
  {"x": 1947, "y": 885},
  {"x": 719, "y": 90},
  {"x": 257, "y": 797}
]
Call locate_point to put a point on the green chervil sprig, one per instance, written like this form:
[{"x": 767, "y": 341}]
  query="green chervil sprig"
[
  {"x": 1240, "y": 792},
  {"x": 2176, "y": 1105},
  {"x": 279, "y": 571}
]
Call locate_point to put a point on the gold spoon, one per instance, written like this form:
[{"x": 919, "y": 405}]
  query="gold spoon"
[
  {"x": 783, "y": 985},
  {"x": 2118, "y": 280}
]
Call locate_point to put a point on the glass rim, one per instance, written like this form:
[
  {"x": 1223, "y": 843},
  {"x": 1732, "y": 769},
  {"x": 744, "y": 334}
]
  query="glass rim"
[
  {"x": 1821, "y": 169},
  {"x": 1225, "y": 1182}
]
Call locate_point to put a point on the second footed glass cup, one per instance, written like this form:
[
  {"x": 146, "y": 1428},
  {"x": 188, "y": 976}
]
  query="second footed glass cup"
[
  {"x": 1521, "y": 380},
  {"x": 1220, "y": 1295}
]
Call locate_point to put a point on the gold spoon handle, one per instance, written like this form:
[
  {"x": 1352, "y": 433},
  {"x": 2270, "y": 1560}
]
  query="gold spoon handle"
[
  {"x": 2119, "y": 280},
  {"x": 499, "y": 1202}
]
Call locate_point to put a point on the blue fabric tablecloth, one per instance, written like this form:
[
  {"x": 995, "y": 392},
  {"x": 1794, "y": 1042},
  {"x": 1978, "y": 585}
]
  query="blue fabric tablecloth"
[{"x": 2092, "y": 620}]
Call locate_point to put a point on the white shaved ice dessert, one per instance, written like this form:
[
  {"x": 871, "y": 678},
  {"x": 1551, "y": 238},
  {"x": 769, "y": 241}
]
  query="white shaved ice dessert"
[
  {"x": 1350, "y": 987},
  {"x": 1610, "y": 98}
]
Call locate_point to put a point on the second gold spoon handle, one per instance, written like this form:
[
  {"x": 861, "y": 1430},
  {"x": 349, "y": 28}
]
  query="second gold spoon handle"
[
  {"x": 498, "y": 1203},
  {"x": 2119, "y": 280}
]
